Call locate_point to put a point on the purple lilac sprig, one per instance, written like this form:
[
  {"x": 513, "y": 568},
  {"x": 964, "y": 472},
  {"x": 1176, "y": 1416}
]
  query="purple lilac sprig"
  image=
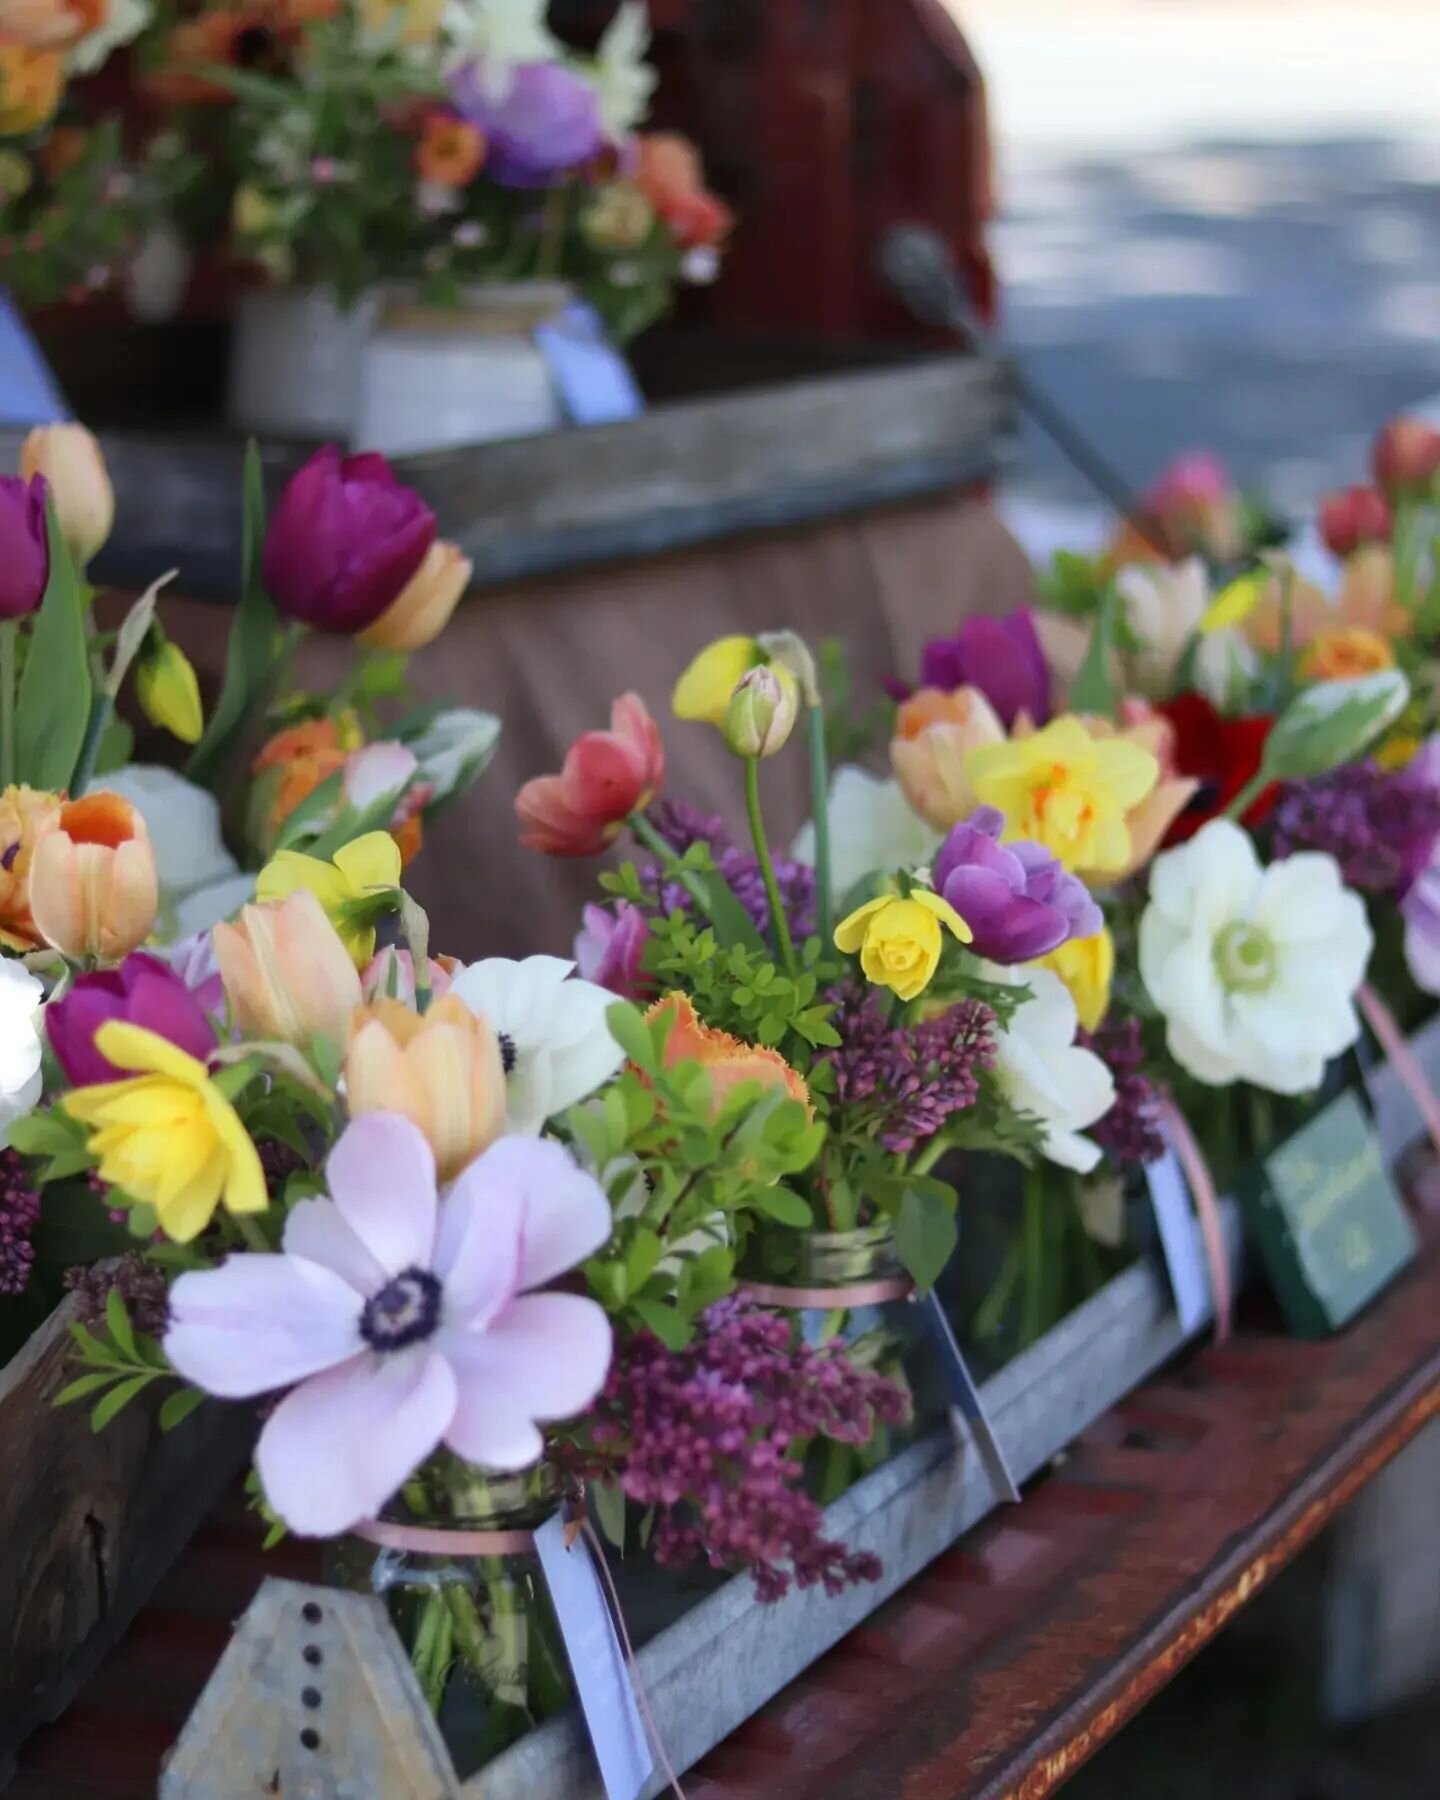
[
  {"x": 708, "y": 1437},
  {"x": 1376, "y": 823},
  {"x": 1130, "y": 1133},
  {"x": 906, "y": 1081},
  {"x": 141, "y": 1285},
  {"x": 681, "y": 826},
  {"x": 19, "y": 1211}
]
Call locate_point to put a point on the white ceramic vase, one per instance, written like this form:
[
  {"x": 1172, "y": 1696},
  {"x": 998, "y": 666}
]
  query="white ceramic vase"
[{"x": 295, "y": 360}]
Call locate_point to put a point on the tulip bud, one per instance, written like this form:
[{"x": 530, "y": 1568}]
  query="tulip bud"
[
  {"x": 761, "y": 713},
  {"x": 24, "y": 547},
  {"x": 169, "y": 693},
  {"x": 70, "y": 460},
  {"x": 425, "y": 603},
  {"x": 287, "y": 975},
  {"x": 442, "y": 1070},
  {"x": 1354, "y": 516},
  {"x": 93, "y": 886},
  {"x": 1332, "y": 723},
  {"x": 1406, "y": 458}
]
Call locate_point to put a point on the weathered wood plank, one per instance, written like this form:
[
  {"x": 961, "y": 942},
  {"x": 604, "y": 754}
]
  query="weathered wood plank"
[
  {"x": 684, "y": 473},
  {"x": 89, "y": 1522}
]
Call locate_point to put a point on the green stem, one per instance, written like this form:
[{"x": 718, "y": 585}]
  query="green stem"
[
  {"x": 992, "y": 1310},
  {"x": 642, "y": 829},
  {"x": 1032, "y": 1299},
  {"x": 820, "y": 811},
  {"x": 552, "y": 235},
  {"x": 8, "y": 632},
  {"x": 249, "y": 1228},
  {"x": 101, "y": 712},
  {"x": 1248, "y": 795},
  {"x": 929, "y": 1156},
  {"x": 778, "y": 921}
]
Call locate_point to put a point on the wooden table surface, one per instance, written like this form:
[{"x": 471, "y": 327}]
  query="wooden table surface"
[{"x": 997, "y": 1672}]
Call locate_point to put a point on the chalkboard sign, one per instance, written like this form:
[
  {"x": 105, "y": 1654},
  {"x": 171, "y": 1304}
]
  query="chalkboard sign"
[{"x": 1327, "y": 1219}]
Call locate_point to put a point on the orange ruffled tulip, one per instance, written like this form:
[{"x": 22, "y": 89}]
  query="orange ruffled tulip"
[
  {"x": 93, "y": 887},
  {"x": 442, "y": 1070},
  {"x": 727, "y": 1061},
  {"x": 1339, "y": 655},
  {"x": 26, "y": 814},
  {"x": 607, "y": 775},
  {"x": 422, "y": 609},
  {"x": 286, "y": 973},
  {"x": 934, "y": 735}
]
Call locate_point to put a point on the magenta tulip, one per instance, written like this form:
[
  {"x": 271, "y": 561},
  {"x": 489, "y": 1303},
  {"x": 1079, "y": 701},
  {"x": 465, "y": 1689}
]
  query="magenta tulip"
[
  {"x": 344, "y": 540},
  {"x": 24, "y": 548},
  {"x": 1001, "y": 657},
  {"x": 142, "y": 991}
]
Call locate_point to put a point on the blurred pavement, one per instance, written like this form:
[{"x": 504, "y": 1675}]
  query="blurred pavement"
[{"x": 1220, "y": 225}]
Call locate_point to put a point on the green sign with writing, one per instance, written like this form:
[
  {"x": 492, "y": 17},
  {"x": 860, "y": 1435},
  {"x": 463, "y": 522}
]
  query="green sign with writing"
[{"x": 1326, "y": 1217}]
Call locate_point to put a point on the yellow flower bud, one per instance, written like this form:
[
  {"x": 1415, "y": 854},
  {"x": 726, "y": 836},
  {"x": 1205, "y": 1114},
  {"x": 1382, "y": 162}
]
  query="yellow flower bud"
[
  {"x": 899, "y": 940},
  {"x": 762, "y": 710},
  {"x": 70, "y": 460},
  {"x": 422, "y": 609},
  {"x": 169, "y": 693},
  {"x": 702, "y": 694}
]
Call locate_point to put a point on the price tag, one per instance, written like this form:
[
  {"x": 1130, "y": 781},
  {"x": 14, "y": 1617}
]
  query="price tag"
[
  {"x": 1181, "y": 1243},
  {"x": 592, "y": 378},
  {"x": 967, "y": 1408},
  {"x": 597, "y": 1661},
  {"x": 29, "y": 394}
]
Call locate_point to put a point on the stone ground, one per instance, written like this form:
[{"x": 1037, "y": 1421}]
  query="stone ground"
[{"x": 1220, "y": 225}]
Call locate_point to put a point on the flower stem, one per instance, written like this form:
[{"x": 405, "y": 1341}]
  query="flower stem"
[
  {"x": 820, "y": 811},
  {"x": 646, "y": 834},
  {"x": 992, "y": 1310},
  {"x": 250, "y": 1231},
  {"x": 1247, "y": 796},
  {"x": 929, "y": 1156},
  {"x": 8, "y": 632},
  {"x": 778, "y": 921},
  {"x": 1032, "y": 1296}
]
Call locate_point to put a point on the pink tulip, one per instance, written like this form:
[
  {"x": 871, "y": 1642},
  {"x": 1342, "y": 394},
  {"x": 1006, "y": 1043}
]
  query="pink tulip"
[
  {"x": 607, "y": 776},
  {"x": 1354, "y": 516}
]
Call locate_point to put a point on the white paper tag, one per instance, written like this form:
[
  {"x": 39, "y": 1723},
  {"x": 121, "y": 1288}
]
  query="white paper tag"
[
  {"x": 597, "y": 1661},
  {"x": 1181, "y": 1242},
  {"x": 966, "y": 1400}
]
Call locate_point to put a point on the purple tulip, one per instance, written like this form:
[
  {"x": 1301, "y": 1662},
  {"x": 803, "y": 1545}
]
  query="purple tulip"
[
  {"x": 345, "y": 538},
  {"x": 545, "y": 122},
  {"x": 1001, "y": 657},
  {"x": 24, "y": 547},
  {"x": 610, "y": 950},
  {"x": 1016, "y": 898},
  {"x": 142, "y": 991}
]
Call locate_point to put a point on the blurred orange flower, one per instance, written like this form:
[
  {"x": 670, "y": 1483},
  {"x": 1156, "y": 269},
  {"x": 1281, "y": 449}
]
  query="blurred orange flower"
[
  {"x": 26, "y": 814},
  {"x": 669, "y": 175},
  {"x": 450, "y": 151},
  {"x": 262, "y": 35},
  {"x": 1344, "y": 652},
  {"x": 31, "y": 83}
]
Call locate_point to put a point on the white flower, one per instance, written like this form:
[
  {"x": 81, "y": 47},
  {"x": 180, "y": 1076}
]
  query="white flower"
[
  {"x": 20, "y": 1077},
  {"x": 1163, "y": 608},
  {"x": 1226, "y": 667},
  {"x": 557, "y": 1046},
  {"x": 454, "y": 748},
  {"x": 873, "y": 828},
  {"x": 623, "y": 79},
  {"x": 499, "y": 35},
  {"x": 200, "y": 881},
  {"x": 1255, "y": 969},
  {"x": 1043, "y": 1072}
]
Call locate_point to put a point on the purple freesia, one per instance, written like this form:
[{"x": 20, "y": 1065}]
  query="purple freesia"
[
  {"x": 344, "y": 539},
  {"x": 545, "y": 122},
  {"x": 142, "y": 991},
  {"x": 1016, "y": 898},
  {"x": 1001, "y": 657},
  {"x": 610, "y": 949},
  {"x": 24, "y": 547}
]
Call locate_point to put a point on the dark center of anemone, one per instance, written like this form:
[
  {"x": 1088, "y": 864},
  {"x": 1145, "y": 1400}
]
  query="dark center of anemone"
[
  {"x": 7, "y": 861},
  {"x": 507, "y": 1052},
  {"x": 405, "y": 1311}
]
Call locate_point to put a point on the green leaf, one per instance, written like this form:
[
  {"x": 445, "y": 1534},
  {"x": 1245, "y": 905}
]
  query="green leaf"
[
  {"x": 303, "y": 824},
  {"x": 925, "y": 1235},
  {"x": 179, "y": 1406},
  {"x": 1092, "y": 690},
  {"x": 673, "y": 1331},
  {"x": 609, "y": 1507},
  {"x": 117, "y": 1322},
  {"x": 250, "y": 652},
  {"x": 629, "y": 1030},
  {"x": 81, "y": 1386},
  {"x": 642, "y": 1258},
  {"x": 1332, "y": 723},
  {"x": 785, "y": 1207},
  {"x": 119, "y": 1397},
  {"x": 52, "y": 707}
]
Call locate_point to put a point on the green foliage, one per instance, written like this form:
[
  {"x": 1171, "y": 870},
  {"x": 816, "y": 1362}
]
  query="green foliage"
[
  {"x": 56, "y": 690},
  {"x": 120, "y": 1363},
  {"x": 1093, "y": 690},
  {"x": 1074, "y": 585},
  {"x": 851, "y": 732},
  {"x": 53, "y": 1142},
  {"x": 925, "y": 1233}
]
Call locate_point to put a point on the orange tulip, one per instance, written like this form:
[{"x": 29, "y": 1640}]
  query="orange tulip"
[
  {"x": 442, "y": 1070},
  {"x": 934, "y": 734},
  {"x": 93, "y": 888},
  {"x": 26, "y": 814},
  {"x": 422, "y": 609},
  {"x": 1339, "y": 655},
  {"x": 727, "y": 1061},
  {"x": 286, "y": 973}
]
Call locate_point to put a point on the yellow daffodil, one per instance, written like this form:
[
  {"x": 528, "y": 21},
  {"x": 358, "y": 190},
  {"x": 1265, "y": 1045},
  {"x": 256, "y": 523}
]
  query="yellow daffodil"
[
  {"x": 347, "y": 886},
  {"x": 1087, "y": 967},
  {"x": 169, "y": 693},
  {"x": 1067, "y": 790},
  {"x": 167, "y": 1135},
  {"x": 900, "y": 940},
  {"x": 702, "y": 694}
]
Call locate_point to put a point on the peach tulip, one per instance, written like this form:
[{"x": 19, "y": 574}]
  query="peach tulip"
[
  {"x": 934, "y": 735},
  {"x": 443, "y": 1070},
  {"x": 26, "y": 814},
  {"x": 93, "y": 887},
  {"x": 71, "y": 461},
  {"x": 422, "y": 609},
  {"x": 286, "y": 973}
]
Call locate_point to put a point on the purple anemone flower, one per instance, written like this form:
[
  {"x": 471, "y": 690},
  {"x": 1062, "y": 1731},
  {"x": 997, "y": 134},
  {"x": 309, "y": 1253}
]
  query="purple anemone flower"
[{"x": 545, "y": 122}]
